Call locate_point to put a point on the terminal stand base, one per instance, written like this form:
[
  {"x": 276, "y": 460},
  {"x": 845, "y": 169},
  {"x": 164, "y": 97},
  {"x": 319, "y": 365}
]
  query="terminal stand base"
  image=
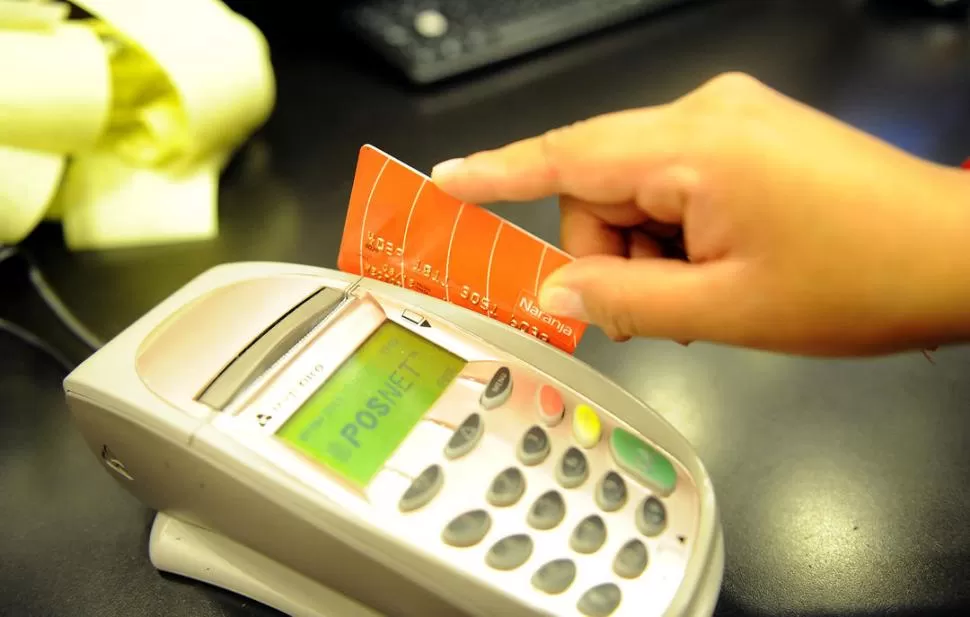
[{"x": 196, "y": 553}]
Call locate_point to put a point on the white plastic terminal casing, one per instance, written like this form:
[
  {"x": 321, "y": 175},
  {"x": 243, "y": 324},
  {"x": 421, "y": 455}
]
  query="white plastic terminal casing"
[{"x": 239, "y": 510}]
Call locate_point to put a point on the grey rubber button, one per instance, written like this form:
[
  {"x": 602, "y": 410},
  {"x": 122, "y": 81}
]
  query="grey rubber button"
[
  {"x": 467, "y": 529},
  {"x": 450, "y": 47},
  {"x": 465, "y": 437},
  {"x": 651, "y": 517},
  {"x": 498, "y": 390},
  {"x": 600, "y": 601},
  {"x": 534, "y": 446},
  {"x": 611, "y": 494},
  {"x": 631, "y": 560},
  {"x": 507, "y": 488},
  {"x": 423, "y": 489},
  {"x": 555, "y": 576},
  {"x": 547, "y": 511},
  {"x": 510, "y": 552},
  {"x": 589, "y": 535},
  {"x": 572, "y": 469}
]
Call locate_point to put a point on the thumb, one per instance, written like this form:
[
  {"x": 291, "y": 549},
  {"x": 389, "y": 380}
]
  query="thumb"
[{"x": 657, "y": 298}]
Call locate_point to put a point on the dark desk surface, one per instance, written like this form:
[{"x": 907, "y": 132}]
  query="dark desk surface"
[{"x": 844, "y": 484}]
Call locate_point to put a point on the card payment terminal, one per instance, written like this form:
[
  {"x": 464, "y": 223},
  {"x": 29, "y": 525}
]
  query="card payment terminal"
[{"x": 335, "y": 446}]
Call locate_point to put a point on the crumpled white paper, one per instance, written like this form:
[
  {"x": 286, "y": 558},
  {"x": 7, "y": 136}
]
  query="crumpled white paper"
[{"x": 120, "y": 125}]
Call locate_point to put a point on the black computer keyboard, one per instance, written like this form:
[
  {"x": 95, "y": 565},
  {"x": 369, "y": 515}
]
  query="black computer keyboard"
[{"x": 430, "y": 40}]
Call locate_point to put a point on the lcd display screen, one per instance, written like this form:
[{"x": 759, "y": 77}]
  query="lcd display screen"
[{"x": 357, "y": 419}]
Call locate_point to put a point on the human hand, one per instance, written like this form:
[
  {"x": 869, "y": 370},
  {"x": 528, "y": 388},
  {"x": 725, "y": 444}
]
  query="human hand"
[{"x": 802, "y": 234}]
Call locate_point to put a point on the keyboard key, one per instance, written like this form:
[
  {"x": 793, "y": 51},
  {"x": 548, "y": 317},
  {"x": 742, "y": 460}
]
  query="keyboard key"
[
  {"x": 600, "y": 601},
  {"x": 425, "y": 55},
  {"x": 507, "y": 488},
  {"x": 651, "y": 517},
  {"x": 611, "y": 493},
  {"x": 510, "y": 552},
  {"x": 547, "y": 511},
  {"x": 488, "y": 28},
  {"x": 534, "y": 446},
  {"x": 465, "y": 437},
  {"x": 589, "y": 535},
  {"x": 643, "y": 462},
  {"x": 587, "y": 427},
  {"x": 430, "y": 24},
  {"x": 631, "y": 559},
  {"x": 475, "y": 38},
  {"x": 573, "y": 468},
  {"x": 551, "y": 407},
  {"x": 395, "y": 35},
  {"x": 423, "y": 489},
  {"x": 555, "y": 576},
  {"x": 498, "y": 389},
  {"x": 467, "y": 529},
  {"x": 450, "y": 47}
]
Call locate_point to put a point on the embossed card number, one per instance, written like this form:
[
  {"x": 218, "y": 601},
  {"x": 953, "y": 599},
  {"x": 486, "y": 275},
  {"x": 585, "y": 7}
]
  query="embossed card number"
[{"x": 403, "y": 230}]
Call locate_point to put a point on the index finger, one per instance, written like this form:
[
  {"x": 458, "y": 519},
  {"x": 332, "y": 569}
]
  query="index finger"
[{"x": 597, "y": 160}]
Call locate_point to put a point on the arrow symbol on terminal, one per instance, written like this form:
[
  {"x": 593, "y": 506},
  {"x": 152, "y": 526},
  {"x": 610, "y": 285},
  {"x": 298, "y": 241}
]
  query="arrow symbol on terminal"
[{"x": 425, "y": 323}]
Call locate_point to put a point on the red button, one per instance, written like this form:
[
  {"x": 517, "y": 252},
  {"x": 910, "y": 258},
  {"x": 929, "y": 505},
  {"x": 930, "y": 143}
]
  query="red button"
[
  {"x": 966, "y": 164},
  {"x": 551, "y": 408}
]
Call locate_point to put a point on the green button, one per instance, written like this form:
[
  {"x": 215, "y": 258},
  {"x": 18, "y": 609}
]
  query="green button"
[{"x": 645, "y": 463}]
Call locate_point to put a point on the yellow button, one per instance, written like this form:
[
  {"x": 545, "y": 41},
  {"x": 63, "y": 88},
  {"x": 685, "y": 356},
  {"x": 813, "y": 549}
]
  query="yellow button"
[{"x": 586, "y": 426}]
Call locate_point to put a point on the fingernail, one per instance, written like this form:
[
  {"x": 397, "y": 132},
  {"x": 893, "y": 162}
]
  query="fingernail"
[
  {"x": 446, "y": 167},
  {"x": 562, "y": 302}
]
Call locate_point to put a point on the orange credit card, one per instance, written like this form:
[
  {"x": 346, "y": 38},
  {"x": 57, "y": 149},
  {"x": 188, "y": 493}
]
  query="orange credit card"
[{"x": 402, "y": 229}]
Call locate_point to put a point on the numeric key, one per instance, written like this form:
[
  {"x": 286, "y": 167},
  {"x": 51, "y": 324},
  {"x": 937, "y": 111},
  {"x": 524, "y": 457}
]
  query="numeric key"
[
  {"x": 507, "y": 488},
  {"x": 465, "y": 437},
  {"x": 423, "y": 489},
  {"x": 573, "y": 469},
  {"x": 547, "y": 511},
  {"x": 534, "y": 446},
  {"x": 510, "y": 552},
  {"x": 589, "y": 535},
  {"x": 555, "y": 576},
  {"x": 611, "y": 493},
  {"x": 651, "y": 517},
  {"x": 600, "y": 601},
  {"x": 631, "y": 559},
  {"x": 467, "y": 529}
]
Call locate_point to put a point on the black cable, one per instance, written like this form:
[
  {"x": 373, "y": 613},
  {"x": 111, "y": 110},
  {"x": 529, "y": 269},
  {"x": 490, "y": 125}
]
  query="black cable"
[
  {"x": 6, "y": 252},
  {"x": 31, "y": 339},
  {"x": 56, "y": 305}
]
